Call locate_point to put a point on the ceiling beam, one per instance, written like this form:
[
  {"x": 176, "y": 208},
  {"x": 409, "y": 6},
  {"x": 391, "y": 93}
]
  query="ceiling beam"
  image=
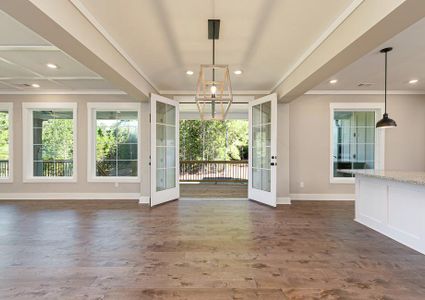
[
  {"x": 368, "y": 26},
  {"x": 64, "y": 26}
]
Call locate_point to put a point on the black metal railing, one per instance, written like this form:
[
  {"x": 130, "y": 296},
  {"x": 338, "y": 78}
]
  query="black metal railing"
[
  {"x": 56, "y": 168},
  {"x": 214, "y": 171},
  {"x": 4, "y": 168}
]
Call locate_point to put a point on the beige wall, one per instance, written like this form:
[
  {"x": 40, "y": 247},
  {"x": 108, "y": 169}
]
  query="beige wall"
[
  {"x": 303, "y": 143},
  {"x": 82, "y": 186},
  {"x": 310, "y": 139}
]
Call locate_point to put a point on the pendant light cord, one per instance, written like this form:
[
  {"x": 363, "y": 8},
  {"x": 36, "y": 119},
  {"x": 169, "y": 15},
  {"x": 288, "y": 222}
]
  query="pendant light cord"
[{"x": 386, "y": 53}]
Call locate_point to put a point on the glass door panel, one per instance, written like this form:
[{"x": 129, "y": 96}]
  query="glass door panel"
[
  {"x": 262, "y": 147},
  {"x": 164, "y": 152}
]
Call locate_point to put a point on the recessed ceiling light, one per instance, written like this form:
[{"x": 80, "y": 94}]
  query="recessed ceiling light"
[
  {"x": 189, "y": 72},
  {"x": 52, "y": 66},
  {"x": 35, "y": 85},
  {"x": 413, "y": 81},
  {"x": 333, "y": 81},
  {"x": 237, "y": 72}
]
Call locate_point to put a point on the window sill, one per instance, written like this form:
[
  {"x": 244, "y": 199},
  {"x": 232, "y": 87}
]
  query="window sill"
[
  {"x": 50, "y": 180},
  {"x": 6, "y": 180}
]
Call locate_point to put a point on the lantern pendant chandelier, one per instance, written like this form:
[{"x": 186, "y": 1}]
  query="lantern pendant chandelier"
[{"x": 214, "y": 91}]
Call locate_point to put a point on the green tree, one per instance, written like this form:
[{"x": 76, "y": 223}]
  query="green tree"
[
  {"x": 213, "y": 140},
  {"x": 57, "y": 139}
]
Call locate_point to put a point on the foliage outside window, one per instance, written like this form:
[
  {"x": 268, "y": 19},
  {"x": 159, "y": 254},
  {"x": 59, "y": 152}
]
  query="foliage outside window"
[
  {"x": 53, "y": 143},
  {"x": 213, "y": 140},
  {"x": 353, "y": 141},
  {"x": 4, "y": 144},
  {"x": 116, "y": 143}
]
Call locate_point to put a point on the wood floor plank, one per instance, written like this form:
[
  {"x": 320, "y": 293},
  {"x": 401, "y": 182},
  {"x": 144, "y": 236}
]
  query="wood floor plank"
[{"x": 199, "y": 250}]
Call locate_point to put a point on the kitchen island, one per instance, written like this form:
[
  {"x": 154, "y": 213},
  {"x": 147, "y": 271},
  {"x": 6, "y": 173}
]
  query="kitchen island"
[{"x": 392, "y": 203}]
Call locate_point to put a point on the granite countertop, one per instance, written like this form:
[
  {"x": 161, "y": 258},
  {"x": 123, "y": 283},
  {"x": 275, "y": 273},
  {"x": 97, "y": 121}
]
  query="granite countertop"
[{"x": 400, "y": 176}]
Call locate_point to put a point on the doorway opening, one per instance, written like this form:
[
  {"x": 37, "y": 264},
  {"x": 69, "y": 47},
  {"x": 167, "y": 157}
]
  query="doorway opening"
[{"x": 214, "y": 159}]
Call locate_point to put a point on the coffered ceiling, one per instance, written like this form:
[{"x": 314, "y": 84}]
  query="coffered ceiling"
[{"x": 23, "y": 62}]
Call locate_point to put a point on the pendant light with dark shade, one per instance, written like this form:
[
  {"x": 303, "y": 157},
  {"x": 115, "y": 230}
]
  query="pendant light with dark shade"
[{"x": 386, "y": 122}]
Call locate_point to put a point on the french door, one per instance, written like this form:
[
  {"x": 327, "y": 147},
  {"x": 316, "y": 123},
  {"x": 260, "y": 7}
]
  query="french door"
[
  {"x": 164, "y": 150},
  {"x": 263, "y": 150}
]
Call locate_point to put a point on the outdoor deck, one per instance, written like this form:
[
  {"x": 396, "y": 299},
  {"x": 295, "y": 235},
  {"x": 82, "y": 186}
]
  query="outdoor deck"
[{"x": 213, "y": 191}]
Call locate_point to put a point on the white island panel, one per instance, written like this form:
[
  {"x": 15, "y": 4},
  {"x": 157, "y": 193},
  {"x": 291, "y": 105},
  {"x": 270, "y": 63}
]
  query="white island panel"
[{"x": 391, "y": 207}]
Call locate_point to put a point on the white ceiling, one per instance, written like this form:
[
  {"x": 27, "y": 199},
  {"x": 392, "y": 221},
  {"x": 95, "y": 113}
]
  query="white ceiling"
[
  {"x": 405, "y": 62},
  {"x": 164, "y": 38},
  {"x": 23, "y": 59}
]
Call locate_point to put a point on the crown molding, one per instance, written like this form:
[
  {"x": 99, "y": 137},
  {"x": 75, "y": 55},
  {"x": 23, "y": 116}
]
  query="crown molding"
[
  {"x": 193, "y": 92},
  {"x": 92, "y": 19},
  {"x": 335, "y": 24},
  {"x": 63, "y": 92},
  {"x": 364, "y": 92}
]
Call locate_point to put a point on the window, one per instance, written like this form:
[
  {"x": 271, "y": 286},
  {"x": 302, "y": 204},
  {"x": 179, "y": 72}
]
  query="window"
[
  {"x": 6, "y": 110},
  {"x": 114, "y": 142},
  {"x": 355, "y": 141},
  {"x": 49, "y": 141}
]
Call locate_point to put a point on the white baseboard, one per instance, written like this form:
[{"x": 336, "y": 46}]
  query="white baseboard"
[
  {"x": 323, "y": 197},
  {"x": 283, "y": 200},
  {"x": 69, "y": 196},
  {"x": 144, "y": 199}
]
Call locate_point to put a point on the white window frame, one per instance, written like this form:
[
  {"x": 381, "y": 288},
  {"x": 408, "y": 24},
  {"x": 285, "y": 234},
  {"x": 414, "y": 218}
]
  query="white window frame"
[
  {"x": 379, "y": 136},
  {"x": 92, "y": 108},
  {"x": 8, "y": 106},
  {"x": 27, "y": 142}
]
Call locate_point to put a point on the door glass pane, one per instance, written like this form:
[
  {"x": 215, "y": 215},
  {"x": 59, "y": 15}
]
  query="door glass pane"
[
  {"x": 265, "y": 180},
  {"x": 256, "y": 179},
  {"x": 261, "y": 146},
  {"x": 160, "y": 157},
  {"x": 170, "y": 135},
  {"x": 170, "y": 117},
  {"x": 171, "y": 178},
  {"x": 256, "y": 115},
  {"x": 160, "y": 180},
  {"x": 171, "y": 157},
  {"x": 161, "y": 109},
  {"x": 166, "y": 146},
  {"x": 160, "y": 135},
  {"x": 266, "y": 113}
]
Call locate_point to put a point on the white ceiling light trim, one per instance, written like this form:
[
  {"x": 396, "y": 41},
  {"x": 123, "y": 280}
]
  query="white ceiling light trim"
[
  {"x": 335, "y": 24},
  {"x": 89, "y": 16},
  {"x": 413, "y": 81}
]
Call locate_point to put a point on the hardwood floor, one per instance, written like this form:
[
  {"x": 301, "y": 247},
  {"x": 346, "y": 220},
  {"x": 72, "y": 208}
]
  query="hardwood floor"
[
  {"x": 211, "y": 191},
  {"x": 199, "y": 250}
]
